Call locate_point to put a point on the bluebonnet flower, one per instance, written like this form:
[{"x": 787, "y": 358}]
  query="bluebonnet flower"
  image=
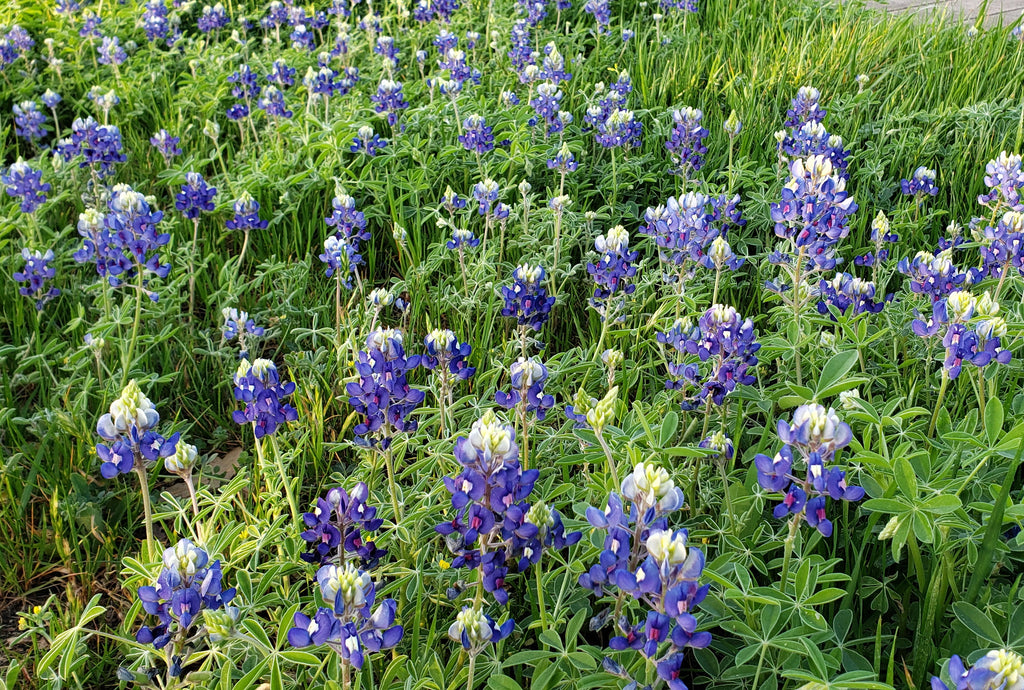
[
  {"x": 386, "y": 48},
  {"x": 475, "y": 630},
  {"x": 90, "y": 25},
  {"x": 528, "y": 377},
  {"x": 237, "y": 111},
  {"x": 336, "y": 256},
  {"x": 247, "y": 216},
  {"x": 621, "y": 129},
  {"x": 281, "y": 75},
  {"x": 564, "y": 161},
  {"x": 720, "y": 256},
  {"x": 546, "y": 105},
  {"x": 477, "y": 136},
  {"x": 1004, "y": 177},
  {"x": 166, "y": 144},
  {"x": 36, "y": 273},
  {"x": 685, "y": 229},
  {"x": 881, "y": 234},
  {"x": 246, "y": 84},
  {"x": 486, "y": 194},
  {"x": 51, "y": 98},
  {"x": 128, "y": 431},
  {"x": 383, "y": 394},
  {"x": 844, "y": 292},
  {"x": 644, "y": 559},
  {"x": 155, "y": 21},
  {"x": 445, "y": 354},
  {"x": 99, "y": 145},
  {"x": 349, "y": 225},
  {"x": 349, "y": 625},
  {"x": 931, "y": 274},
  {"x": 805, "y": 108},
  {"x": 725, "y": 339},
  {"x": 552, "y": 67},
  {"x": 601, "y": 11},
  {"x": 452, "y": 202},
  {"x": 444, "y": 41},
  {"x": 526, "y": 300},
  {"x": 628, "y": 35},
  {"x": 389, "y": 100},
  {"x": 461, "y": 238},
  {"x": 335, "y": 527},
  {"x": 273, "y": 103},
  {"x": 188, "y": 585},
  {"x": 260, "y": 387},
  {"x": 212, "y": 18},
  {"x": 732, "y": 125},
  {"x": 816, "y": 434},
  {"x": 999, "y": 669},
  {"x": 320, "y": 82},
  {"x": 25, "y": 183},
  {"x": 196, "y": 196},
  {"x": 237, "y": 324},
  {"x": 97, "y": 246},
  {"x": 458, "y": 69},
  {"x": 686, "y": 140},
  {"x": 1001, "y": 248},
  {"x": 683, "y": 6},
  {"x": 612, "y": 274},
  {"x": 920, "y": 185},
  {"x": 812, "y": 217},
  {"x": 111, "y": 52},
  {"x": 29, "y": 121},
  {"x": 521, "y": 48},
  {"x": 67, "y": 8},
  {"x": 971, "y": 331},
  {"x": 133, "y": 239}
]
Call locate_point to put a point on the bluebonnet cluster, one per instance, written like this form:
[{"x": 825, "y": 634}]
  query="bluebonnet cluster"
[
  {"x": 881, "y": 235},
  {"x": 367, "y": 141},
  {"x": 552, "y": 67},
  {"x": 29, "y": 121},
  {"x": 25, "y": 183},
  {"x": 644, "y": 559},
  {"x": 349, "y": 625},
  {"x": 237, "y": 324},
  {"x": 477, "y": 136},
  {"x": 813, "y": 215},
  {"x": 601, "y": 11},
  {"x": 920, "y": 184},
  {"x": 999, "y": 669},
  {"x": 692, "y": 6},
  {"x": 167, "y": 144},
  {"x": 686, "y": 140},
  {"x": 494, "y": 523},
  {"x": 336, "y": 525},
  {"x": 684, "y": 229},
  {"x": 387, "y": 49},
  {"x": 188, "y": 584},
  {"x": 971, "y": 330},
  {"x": 463, "y": 238},
  {"x": 349, "y": 229},
  {"x": 528, "y": 377},
  {"x": 51, "y": 98},
  {"x": 90, "y": 25},
  {"x": 99, "y": 145},
  {"x": 546, "y": 105},
  {"x": 246, "y": 89},
  {"x": 564, "y": 161},
  {"x": 247, "y": 215},
  {"x": 196, "y": 196},
  {"x": 846, "y": 292},
  {"x": 260, "y": 387},
  {"x": 720, "y": 256},
  {"x": 336, "y": 257},
  {"x": 526, "y": 300},
  {"x": 157, "y": 24},
  {"x": 614, "y": 125},
  {"x": 612, "y": 273},
  {"x": 722, "y": 337},
  {"x": 814, "y": 437},
  {"x": 475, "y": 630},
  {"x": 111, "y": 52},
  {"x": 281, "y": 75},
  {"x": 930, "y": 274},
  {"x": 212, "y": 18},
  {"x": 37, "y": 272},
  {"x": 446, "y": 355},
  {"x": 133, "y": 242},
  {"x": 128, "y": 434},
  {"x": 389, "y": 100},
  {"x": 382, "y": 395},
  {"x": 1004, "y": 177},
  {"x": 272, "y": 102},
  {"x": 807, "y": 135}
]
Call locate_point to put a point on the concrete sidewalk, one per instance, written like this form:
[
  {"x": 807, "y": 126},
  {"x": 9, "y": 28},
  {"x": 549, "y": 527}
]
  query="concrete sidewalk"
[{"x": 1008, "y": 10}]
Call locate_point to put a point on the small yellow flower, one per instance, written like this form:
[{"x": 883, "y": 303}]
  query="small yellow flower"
[
  {"x": 22, "y": 624},
  {"x": 444, "y": 564},
  {"x": 37, "y": 610}
]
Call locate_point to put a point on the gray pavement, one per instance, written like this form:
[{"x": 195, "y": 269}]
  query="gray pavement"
[{"x": 1009, "y": 10}]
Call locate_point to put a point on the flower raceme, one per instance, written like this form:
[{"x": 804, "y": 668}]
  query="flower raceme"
[
  {"x": 260, "y": 387},
  {"x": 383, "y": 394},
  {"x": 335, "y": 526},
  {"x": 129, "y": 435},
  {"x": 816, "y": 434},
  {"x": 999, "y": 669}
]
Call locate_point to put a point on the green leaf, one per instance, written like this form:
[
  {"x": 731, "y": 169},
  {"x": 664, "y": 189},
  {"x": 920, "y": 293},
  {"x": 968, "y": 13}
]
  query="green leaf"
[
  {"x": 834, "y": 370},
  {"x": 668, "y": 429},
  {"x": 977, "y": 622},
  {"x": 502, "y": 682},
  {"x": 942, "y": 504},
  {"x": 993, "y": 419},
  {"x": 886, "y": 505},
  {"x": 905, "y": 478}
]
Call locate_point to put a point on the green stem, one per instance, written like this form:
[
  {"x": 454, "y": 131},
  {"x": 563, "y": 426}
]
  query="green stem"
[
  {"x": 391, "y": 485},
  {"x": 540, "y": 595},
  {"x": 472, "y": 668},
  {"x": 285, "y": 479},
  {"x": 787, "y": 557},
  {"x": 915, "y": 558},
  {"x": 127, "y": 364},
  {"x": 147, "y": 509},
  {"x": 938, "y": 403}
]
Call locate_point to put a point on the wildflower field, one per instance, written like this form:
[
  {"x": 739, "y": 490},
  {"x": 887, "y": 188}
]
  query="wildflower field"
[{"x": 509, "y": 344}]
